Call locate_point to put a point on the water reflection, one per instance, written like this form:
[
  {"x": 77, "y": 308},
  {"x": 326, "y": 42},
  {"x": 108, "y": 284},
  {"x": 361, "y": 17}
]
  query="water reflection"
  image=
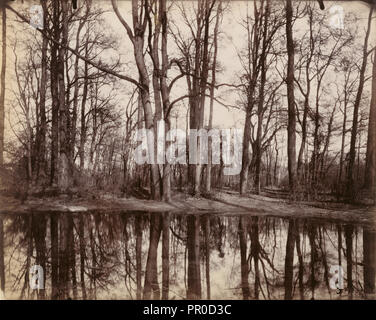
[{"x": 165, "y": 256}]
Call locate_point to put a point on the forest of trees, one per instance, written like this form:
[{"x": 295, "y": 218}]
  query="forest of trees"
[{"x": 72, "y": 110}]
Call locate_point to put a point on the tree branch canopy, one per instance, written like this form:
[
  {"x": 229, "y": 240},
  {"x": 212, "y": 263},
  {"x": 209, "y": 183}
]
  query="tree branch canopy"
[{"x": 90, "y": 62}]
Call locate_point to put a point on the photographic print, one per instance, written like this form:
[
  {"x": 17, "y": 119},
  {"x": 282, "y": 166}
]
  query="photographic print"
[{"x": 187, "y": 150}]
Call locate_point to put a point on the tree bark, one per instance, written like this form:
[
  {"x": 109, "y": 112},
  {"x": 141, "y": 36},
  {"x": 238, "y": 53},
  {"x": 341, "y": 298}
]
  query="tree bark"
[
  {"x": 291, "y": 135},
  {"x": 41, "y": 170},
  {"x": 354, "y": 131},
  {"x": 2, "y": 82},
  {"x": 64, "y": 167},
  {"x": 54, "y": 95},
  {"x": 370, "y": 171}
]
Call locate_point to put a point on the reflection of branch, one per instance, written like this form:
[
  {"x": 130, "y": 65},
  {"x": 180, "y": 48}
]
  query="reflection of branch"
[
  {"x": 177, "y": 236},
  {"x": 77, "y": 54}
]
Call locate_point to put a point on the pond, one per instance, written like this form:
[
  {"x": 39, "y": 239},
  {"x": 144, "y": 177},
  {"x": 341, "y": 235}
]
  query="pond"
[{"x": 174, "y": 256}]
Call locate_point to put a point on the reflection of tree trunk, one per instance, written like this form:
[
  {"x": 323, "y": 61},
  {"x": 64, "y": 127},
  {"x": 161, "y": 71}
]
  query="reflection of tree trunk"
[
  {"x": 369, "y": 260},
  {"x": 39, "y": 226},
  {"x": 339, "y": 231},
  {"x": 2, "y": 266},
  {"x": 255, "y": 250},
  {"x": 29, "y": 253},
  {"x": 54, "y": 255},
  {"x": 138, "y": 255},
  {"x": 324, "y": 258},
  {"x": 193, "y": 244},
  {"x": 207, "y": 256},
  {"x": 289, "y": 261},
  {"x": 81, "y": 231},
  {"x": 301, "y": 261},
  {"x": 72, "y": 255},
  {"x": 63, "y": 256},
  {"x": 165, "y": 255},
  {"x": 243, "y": 258},
  {"x": 151, "y": 272},
  {"x": 349, "y": 229},
  {"x": 311, "y": 236}
]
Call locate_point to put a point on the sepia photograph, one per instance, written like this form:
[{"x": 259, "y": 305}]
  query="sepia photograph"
[{"x": 187, "y": 150}]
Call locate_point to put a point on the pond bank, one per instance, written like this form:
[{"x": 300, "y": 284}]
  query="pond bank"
[{"x": 226, "y": 203}]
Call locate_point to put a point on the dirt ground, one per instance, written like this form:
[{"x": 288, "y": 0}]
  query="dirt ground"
[{"x": 226, "y": 203}]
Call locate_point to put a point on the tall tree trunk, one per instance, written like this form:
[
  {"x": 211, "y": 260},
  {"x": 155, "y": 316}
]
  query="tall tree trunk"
[
  {"x": 246, "y": 151},
  {"x": 343, "y": 139},
  {"x": 2, "y": 81},
  {"x": 291, "y": 135},
  {"x": 370, "y": 172},
  {"x": 261, "y": 97},
  {"x": 54, "y": 94},
  {"x": 212, "y": 87},
  {"x": 83, "y": 128},
  {"x": 306, "y": 97},
  {"x": 41, "y": 160},
  {"x": 64, "y": 168},
  {"x": 354, "y": 130},
  {"x": 165, "y": 92}
]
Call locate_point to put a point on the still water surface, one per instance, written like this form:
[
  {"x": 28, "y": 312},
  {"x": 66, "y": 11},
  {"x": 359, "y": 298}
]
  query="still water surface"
[{"x": 166, "y": 256}]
